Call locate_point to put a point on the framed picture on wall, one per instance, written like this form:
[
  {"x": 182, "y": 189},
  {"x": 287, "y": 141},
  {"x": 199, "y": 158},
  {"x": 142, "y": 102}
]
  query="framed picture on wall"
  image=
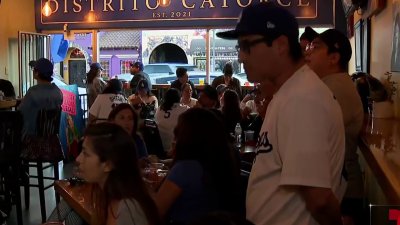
[
  {"x": 366, "y": 34},
  {"x": 358, "y": 45},
  {"x": 396, "y": 37}
]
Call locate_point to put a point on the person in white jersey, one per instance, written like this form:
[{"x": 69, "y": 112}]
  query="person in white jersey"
[
  {"x": 329, "y": 55},
  {"x": 167, "y": 116},
  {"x": 296, "y": 177}
]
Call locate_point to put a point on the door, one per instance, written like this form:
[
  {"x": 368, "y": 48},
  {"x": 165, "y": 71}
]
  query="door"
[{"x": 77, "y": 72}]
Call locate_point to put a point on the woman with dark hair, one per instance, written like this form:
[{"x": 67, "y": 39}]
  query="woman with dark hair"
[
  {"x": 105, "y": 102},
  {"x": 186, "y": 95},
  {"x": 204, "y": 176},
  {"x": 167, "y": 116},
  {"x": 124, "y": 116},
  {"x": 109, "y": 161},
  {"x": 143, "y": 101},
  {"x": 95, "y": 85},
  {"x": 230, "y": 107}
]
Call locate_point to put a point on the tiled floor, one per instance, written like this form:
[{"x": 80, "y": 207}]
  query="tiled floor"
[{"x": 32, "y": 215}]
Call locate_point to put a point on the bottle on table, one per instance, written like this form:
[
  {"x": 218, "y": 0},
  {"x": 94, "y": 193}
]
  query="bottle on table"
[{"x": 238, "y": 135}]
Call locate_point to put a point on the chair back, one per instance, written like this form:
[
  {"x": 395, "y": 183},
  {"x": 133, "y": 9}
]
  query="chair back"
[
  {"x": 152, "y": 139},
  {"x": 10, "y": 136},
  {"x": 48, "y": 122}
]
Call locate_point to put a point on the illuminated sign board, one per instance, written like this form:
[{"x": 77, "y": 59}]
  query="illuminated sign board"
[{"x": 94, "y": 14}]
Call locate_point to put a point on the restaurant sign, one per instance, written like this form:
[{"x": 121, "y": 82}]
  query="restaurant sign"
[{"x": 96, "y": 14}]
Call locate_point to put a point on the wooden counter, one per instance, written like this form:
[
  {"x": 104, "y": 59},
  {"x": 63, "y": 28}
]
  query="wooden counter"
[
  {"x": 7, "y": 104},
  {"x": 79, "y": 197},
  {"x": 380, "y": 147}
]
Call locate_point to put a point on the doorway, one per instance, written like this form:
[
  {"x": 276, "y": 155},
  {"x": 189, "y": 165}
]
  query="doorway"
[
  {"x": 77, "y": 72},
  {"x": 168, "y": 53}
]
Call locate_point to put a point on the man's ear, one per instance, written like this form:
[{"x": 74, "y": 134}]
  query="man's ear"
[
  {"x": 334, "y": 58},
  {"x": 281, "y": 44}
]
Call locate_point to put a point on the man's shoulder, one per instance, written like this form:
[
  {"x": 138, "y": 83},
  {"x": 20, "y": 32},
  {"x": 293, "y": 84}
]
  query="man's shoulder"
[
  {"x": 175, "y": 83},
  {"x": 143, "y": 73}
]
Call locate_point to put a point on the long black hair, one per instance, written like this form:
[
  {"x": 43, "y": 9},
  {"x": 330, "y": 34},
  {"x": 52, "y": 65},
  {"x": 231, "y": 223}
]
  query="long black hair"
[
  {"x": 112, "y": 143},
  {"x": 93, "y": 73},
  {"x": 200, "y": 135},
  {"x": 231, "y": 109},
  {"x": 171, "y": 97},
  {"x": 121, "y": 107}
]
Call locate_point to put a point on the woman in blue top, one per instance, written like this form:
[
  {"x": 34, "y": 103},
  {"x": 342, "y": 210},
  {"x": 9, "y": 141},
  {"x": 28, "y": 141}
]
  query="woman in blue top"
[
  {"x": 204, "y": 176},
  {"x": 124, "y": 116}
]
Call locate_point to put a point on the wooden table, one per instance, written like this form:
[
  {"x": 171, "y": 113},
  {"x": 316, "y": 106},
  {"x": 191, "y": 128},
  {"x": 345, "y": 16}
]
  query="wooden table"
[
  {"x": 380, "y": 146},
  {"x": 7, "y": 104},
  {"x": 79, "y": 197}
]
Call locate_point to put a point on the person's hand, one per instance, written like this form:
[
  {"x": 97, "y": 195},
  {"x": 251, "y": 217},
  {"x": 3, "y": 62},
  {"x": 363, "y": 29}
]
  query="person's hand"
[{"x": 247, "y": 98}]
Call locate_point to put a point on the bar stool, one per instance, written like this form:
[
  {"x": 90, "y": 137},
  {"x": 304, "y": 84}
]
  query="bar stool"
[
  {"x": 10, "y": 163},
  {"x": 42, "y": 151}
]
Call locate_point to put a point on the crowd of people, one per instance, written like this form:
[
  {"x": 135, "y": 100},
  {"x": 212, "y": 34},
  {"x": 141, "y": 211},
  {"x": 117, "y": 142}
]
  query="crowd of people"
[{"x": 305, "y": 112}]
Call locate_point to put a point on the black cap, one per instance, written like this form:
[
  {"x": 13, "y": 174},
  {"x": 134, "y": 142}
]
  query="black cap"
[
  {"x": 265, "y": 19},
  {"x": 137, "y": 65},
  {"x": 337, "y": 42},
  {"x": 309, "y": 34},
  {"x": 96, "y": 66},
  {"x": 44, "y": 68}
]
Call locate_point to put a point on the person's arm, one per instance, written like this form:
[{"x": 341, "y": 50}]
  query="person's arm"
[
  {"x": 94, "y": 110},
  {"x": 215, "y": 82},
  {"x": 194, "y": 90},
  {"x": 322, "y": 204},
  {"x": 238, "y": 88},
  {"x": 155, "y": 101},
  {"x": 166, "y": 196},
  {"x": 92, "y": 119},
  {"x": 26, "y": 102},
  {"x": 245, "y": 100}
]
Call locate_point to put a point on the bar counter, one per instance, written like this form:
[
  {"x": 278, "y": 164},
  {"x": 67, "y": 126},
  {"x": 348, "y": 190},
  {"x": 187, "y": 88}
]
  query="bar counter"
[{"x": 380, "y": 147}]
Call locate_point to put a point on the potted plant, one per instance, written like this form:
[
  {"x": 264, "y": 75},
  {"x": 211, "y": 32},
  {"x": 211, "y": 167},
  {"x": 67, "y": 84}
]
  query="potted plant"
[{"x": 384, "y": 108}]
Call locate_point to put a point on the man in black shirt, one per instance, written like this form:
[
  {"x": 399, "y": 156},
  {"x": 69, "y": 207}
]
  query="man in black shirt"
[
  {"x": 136, "y": 70},
  {"x": 182, "y": 75}
]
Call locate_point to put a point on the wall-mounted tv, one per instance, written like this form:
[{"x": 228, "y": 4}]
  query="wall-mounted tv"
[{"x": 350, "y": 6}]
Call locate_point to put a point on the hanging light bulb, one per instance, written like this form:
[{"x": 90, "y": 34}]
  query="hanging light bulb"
[
  {"x": 91, "y": 17},
  {"x": 46, "y": 10},
  {"x": 164, "y": 3}
]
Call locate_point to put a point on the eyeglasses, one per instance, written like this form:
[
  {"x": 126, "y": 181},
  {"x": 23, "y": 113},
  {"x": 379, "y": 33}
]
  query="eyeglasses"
[
  {"x": 246, "y": 45},
  {"x": 317, "y": 44}
]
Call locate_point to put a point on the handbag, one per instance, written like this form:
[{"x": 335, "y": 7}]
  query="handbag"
[
  {"x": 148, "y": 111},
  {"x": 46, "y": 149}
]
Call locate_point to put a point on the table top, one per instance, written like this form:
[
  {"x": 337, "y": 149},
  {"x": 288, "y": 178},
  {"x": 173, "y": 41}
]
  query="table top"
[
  {"x": 380, "y": 146},
  {"x": 5, "y": 104},
  {"x": 79, "y": 197}
]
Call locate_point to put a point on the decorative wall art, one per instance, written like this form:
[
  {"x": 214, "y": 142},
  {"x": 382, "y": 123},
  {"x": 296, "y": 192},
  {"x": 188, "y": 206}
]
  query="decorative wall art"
[{"x": 396, "y": 37}]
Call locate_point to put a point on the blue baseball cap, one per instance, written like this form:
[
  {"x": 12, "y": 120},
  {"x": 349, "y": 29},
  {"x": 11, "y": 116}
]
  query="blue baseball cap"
[
  {"x": 267, "y": 19},
  {"x": 138, "y": 65},
  {"x": 96, "y": 66},
  {"x": 44, "y": 68}
]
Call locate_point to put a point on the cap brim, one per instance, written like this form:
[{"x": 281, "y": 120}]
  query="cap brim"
[
  {"x": 32, "y": 63},
  {"x": 231, "y": 34}
]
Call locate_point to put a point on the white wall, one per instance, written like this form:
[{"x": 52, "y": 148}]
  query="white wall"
[
  {"x": 381, "y": 47},
  {"x": 15, "y": 15}
]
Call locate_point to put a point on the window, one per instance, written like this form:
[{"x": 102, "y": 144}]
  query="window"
[
  {"x": 105, "y": 64},
  {"x": 125, "y": 65}
]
